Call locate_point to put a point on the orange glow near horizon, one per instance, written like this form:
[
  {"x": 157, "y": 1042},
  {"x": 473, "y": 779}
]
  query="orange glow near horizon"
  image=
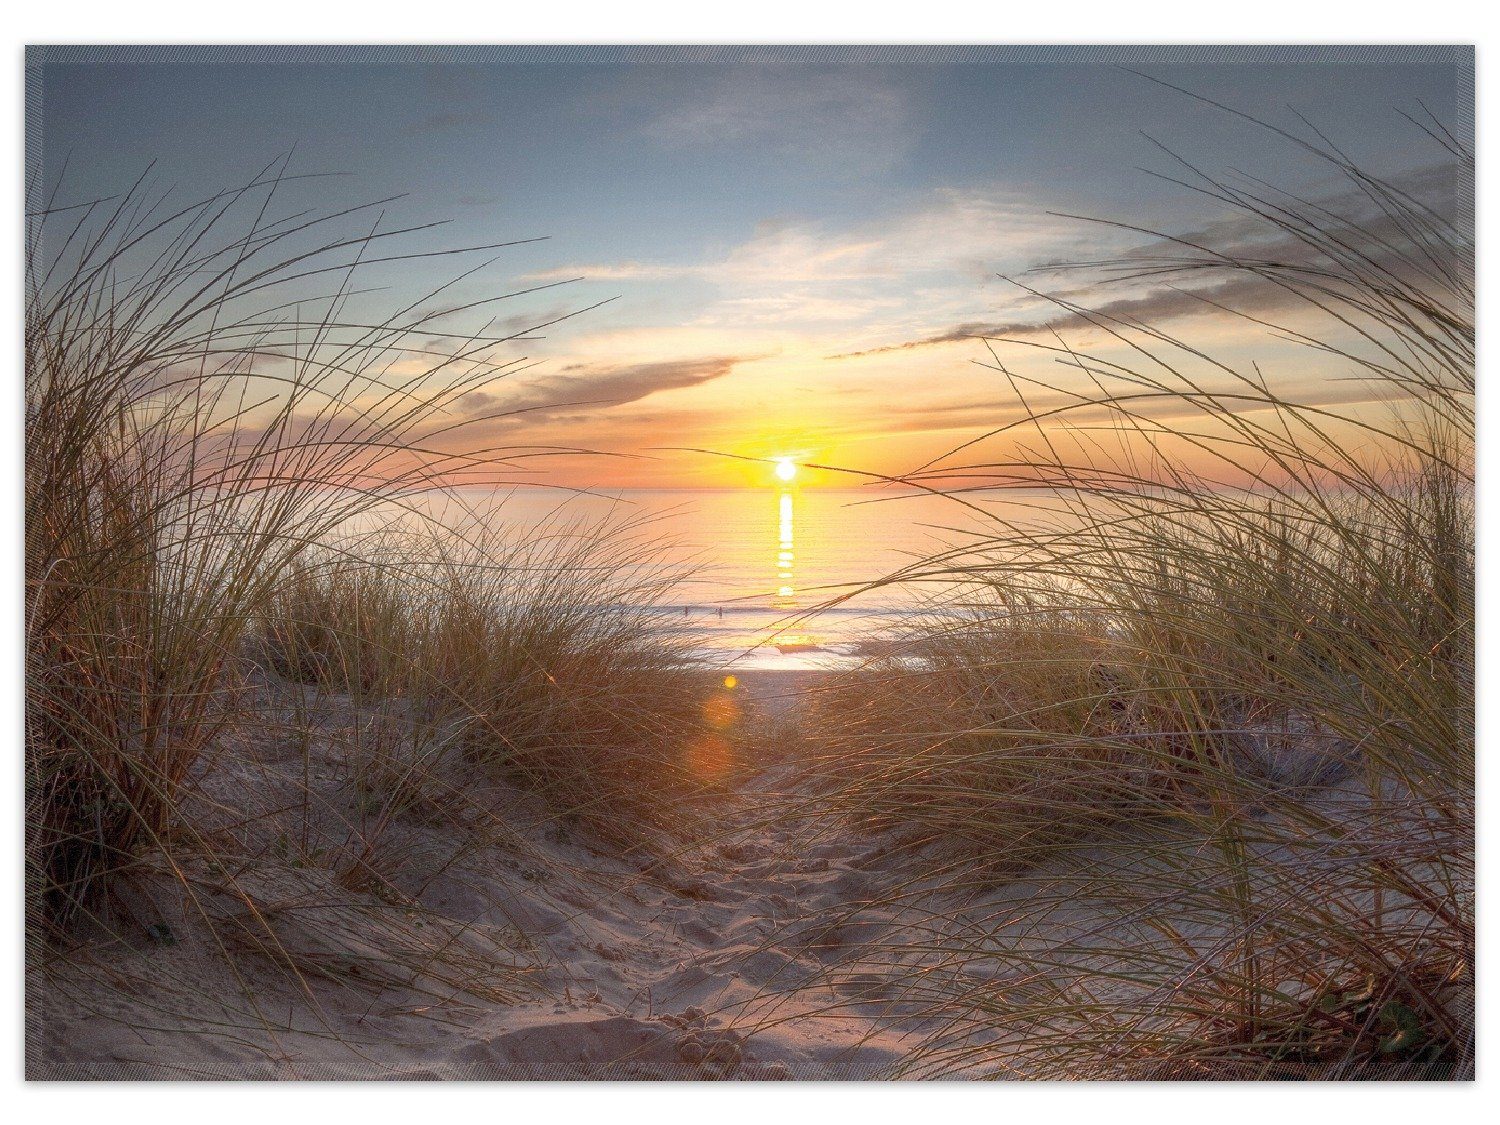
[{"x": 775, "y": 421}]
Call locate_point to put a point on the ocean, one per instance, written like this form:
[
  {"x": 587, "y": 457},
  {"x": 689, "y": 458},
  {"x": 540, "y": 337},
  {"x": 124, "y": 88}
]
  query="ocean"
[{"x": 775, "y": 578}]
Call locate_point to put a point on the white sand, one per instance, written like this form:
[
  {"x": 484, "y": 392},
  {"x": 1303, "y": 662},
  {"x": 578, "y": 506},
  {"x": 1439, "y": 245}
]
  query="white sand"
[
  {"x": 538, "y": 956},
  {"x": 483, "y": 939}
]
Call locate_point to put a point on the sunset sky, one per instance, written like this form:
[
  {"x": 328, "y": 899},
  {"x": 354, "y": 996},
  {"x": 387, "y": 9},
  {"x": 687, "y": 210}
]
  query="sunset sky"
[{"x": 796, "y": 255}]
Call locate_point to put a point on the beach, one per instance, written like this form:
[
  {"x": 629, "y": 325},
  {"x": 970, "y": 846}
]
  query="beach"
[
  {"x": 963, "y": 619},
  {"x": 784, "y": 944},
  {"x": 736, "y": 958}
]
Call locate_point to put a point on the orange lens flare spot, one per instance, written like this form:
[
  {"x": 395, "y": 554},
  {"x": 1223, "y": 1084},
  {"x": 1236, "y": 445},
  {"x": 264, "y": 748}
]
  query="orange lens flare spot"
[
  {"x": 709, "y": 758},
  {"x": 721, "y": 711},
  {"x": 731, "y": 682}
]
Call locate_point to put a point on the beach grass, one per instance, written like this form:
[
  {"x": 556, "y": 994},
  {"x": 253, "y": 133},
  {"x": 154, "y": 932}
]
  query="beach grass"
[
  {"x": 1178, "y": 785},
  {"x": 211, "y": 430},
  {"x": 1219, "y": 726},
  {"x": 543, "y": 657}
]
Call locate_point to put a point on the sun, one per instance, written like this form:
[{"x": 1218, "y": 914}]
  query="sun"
[{"x": 786, "y": 468}]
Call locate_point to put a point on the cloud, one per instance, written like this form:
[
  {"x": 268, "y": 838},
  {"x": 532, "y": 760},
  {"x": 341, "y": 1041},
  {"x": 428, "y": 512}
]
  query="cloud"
[
  {"x": 1247, "y": 294},
  {"x": 617, "y": 271},
  {"x": 953, "y": 236},
  {"x": 477, "y": 402},
  {"x": 800, "y": 306},
  {"x": 841, "y": 121},
  {"x": 971, "y": 416},
  {"x": 1200, "y": 282},
  {"x": 603, "y": 386}
]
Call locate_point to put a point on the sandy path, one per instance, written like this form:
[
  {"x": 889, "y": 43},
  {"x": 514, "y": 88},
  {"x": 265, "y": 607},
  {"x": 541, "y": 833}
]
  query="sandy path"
[
  {"x": 738, "y": 960},
  {"x": 717, "y": 976}
]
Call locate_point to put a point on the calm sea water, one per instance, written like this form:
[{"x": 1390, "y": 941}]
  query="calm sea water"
[{"x": 785, "y": 578}]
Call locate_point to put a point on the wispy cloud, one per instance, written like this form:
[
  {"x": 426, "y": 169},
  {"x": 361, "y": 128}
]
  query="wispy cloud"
[
  {"x": 1168, "y": 278},
  {"x": 846, "y": 122},
  {"x": 601, "y": 385},
  {"x": 1249, "y": 295},
  {"x": 968, "y": 233},
  {"x": 616, "y": 271}
]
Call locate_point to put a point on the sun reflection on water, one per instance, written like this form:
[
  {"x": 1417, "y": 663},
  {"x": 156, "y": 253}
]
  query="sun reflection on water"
[{"x": 786, "y": 590}]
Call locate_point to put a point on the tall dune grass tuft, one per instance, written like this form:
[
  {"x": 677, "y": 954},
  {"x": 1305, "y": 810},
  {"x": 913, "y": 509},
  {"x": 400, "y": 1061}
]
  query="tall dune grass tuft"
[
  {"x": 999, "y": 718},
  {"x": 346, "y": 622},
  {"x": 210, "y": 400},
  {"x": 1217, "y": 725},
  {"x": 555, "y": 655},
  {"x": 256, "y": 728},
  {"x": 546, "y": 658}
]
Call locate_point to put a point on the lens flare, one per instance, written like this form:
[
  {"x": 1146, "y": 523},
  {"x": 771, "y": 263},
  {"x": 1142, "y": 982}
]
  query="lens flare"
[
  {"x": 709, "y": 758},
  {"x": 721, "y": 712}
]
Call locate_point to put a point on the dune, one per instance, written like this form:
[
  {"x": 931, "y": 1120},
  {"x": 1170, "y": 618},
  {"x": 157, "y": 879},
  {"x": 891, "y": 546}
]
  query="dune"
[
  {"x": 538, "y": 955},
  {"x": 508, "y": 944}
]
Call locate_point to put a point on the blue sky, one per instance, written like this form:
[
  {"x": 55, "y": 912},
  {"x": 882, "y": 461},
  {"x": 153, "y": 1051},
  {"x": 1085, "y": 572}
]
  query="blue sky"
[{"x": 751, "y": 221}]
